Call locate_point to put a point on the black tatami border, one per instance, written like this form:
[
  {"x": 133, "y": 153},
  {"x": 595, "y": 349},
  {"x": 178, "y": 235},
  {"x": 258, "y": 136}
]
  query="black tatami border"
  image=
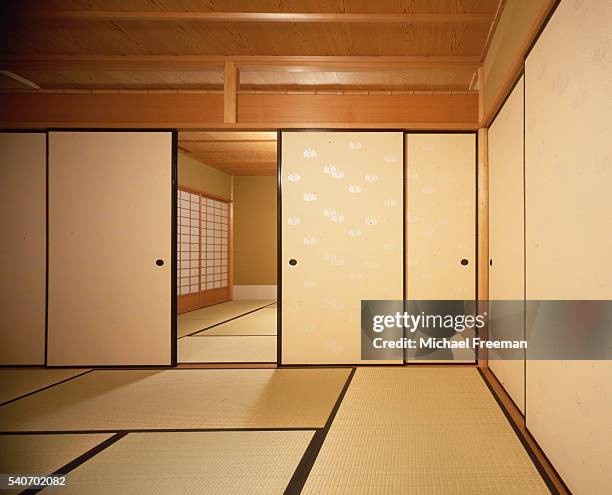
[
  {"x": 45, "y": 387},
  {"x": 302, "y": 471},
  {"x": 295, "y": 485}
]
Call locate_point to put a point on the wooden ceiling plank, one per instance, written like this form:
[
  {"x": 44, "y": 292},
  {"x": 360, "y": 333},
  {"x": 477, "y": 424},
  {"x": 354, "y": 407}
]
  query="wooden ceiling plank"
[{"x": 286, "y": 17}]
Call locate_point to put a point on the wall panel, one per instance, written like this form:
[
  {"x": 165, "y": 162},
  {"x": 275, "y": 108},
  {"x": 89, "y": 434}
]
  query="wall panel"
[
  {"x": 568, "y": 230},
  {"x": 440, "y": 217},
  {"x": 342, "y": 222},
  {"x": 506, "y": 235},
  {"x": 110, "y": 217},
  {"x": 23, "y": 248},
  {"x": 255, "y": 230}
]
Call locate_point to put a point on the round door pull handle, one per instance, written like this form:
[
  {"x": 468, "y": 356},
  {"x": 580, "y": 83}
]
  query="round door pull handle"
[
  {"x": 159, "y": 262},
  {"x": 464, "y": 262},
  {"x": 292, "y": 262}
]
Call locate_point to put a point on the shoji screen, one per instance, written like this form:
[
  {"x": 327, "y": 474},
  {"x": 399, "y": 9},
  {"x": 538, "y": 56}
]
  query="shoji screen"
[
  {"x": 342, "y": 238},
  {"x": 23, "y": 249},
  {"x": 203, "y": 251},
  {"x": 110, "y": 248},
  {"x": 440, "y": 252},
  {"x": 568, "y": 166},
  {"x": 506, "y": 236}
]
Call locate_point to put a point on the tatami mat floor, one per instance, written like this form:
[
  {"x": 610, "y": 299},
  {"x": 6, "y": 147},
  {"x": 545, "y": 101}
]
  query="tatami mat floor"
[
  {"x": 260, "y": 322},
  {"x": 43, "y": 454},
  {"x": 212, "y": 463},
  {"x": 423, "y": 431},
  {"x": 227, "y": 349},
  {"x": 384, "y": 430},
  {"x": 243, "y": 332},
  {"x": 18, "y": 382},
  {"x": 112, "y": 400}
]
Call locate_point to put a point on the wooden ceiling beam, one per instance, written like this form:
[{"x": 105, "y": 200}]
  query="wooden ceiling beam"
[
  {"x": 228, "y": 141},
  {"x": 255, "y": 112},
  {"x": 324, "y": 63},
  {"x": 286, "y": 17}
]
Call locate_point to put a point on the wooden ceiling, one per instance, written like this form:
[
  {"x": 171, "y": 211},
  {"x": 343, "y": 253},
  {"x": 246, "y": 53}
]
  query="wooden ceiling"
[
  {"x": 235, "y": 153},
  {"x": 142, "y": 44},
  {"x": 273, "y": 46}
]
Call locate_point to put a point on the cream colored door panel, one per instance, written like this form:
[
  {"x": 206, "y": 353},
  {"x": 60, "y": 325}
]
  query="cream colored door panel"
[
  {"x": 440, "y": 216},
  {"x": 506, "y": 232},
  {"x": 342, "y": 204},
  {"x": 568, "y": 174},
  {"x": 440, "y": 223},
  {"x": 110, "y": 214},
  {"x": 23, "y": 248}
]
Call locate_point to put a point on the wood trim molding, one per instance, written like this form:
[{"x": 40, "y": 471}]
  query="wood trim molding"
[
  {"x": 287, "y": 17},
  {"x": 517, "y": 66},
  {"x": 217, "y": 62},
  {"x": 517, "y": 421},
  {"x": 483, "y": 235},
  {"x": 493, "y": 28}
]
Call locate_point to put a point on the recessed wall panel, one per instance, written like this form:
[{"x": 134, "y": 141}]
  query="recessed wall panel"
[
  {"x": 568, "y": 166},
  {"x": 110, "y": 217},
  {"x": 506, "y": 239},
  {"x": 342, "y": 238},
  {"x": 22, "y": 251}
]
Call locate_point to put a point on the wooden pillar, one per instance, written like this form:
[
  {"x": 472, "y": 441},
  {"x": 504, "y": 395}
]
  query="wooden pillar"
[
  {"x": 230, "y": 89},
  {"x": 483, "y": 233}
]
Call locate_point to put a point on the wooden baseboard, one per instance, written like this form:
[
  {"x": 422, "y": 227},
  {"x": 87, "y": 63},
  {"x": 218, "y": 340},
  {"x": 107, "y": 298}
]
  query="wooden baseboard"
[
  {"x": 198, "y": 300},
  {"x": 517, "y": 421}
]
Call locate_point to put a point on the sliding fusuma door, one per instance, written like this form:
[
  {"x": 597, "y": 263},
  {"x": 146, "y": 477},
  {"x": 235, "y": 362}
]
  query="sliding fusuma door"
[
  {"x": 441, "y": 228},
  {"x": 111, "y": 281},
  {"x": 22, "y": 262},
  {"x": 341, "y": 238}
]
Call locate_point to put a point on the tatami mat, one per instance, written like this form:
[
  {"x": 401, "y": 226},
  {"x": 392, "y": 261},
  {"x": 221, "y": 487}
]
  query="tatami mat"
[
  {"x": 254, "y": 462},
  {"x": 186, "y": 327},
  {"x": 422, "y": 431},
  {"x": 17, "y": 382},
  {"x": 226, "y": 310},
  {"x": 260, "y": 322},
  {"x": 227, "y": 349},
  {"x": 43, "y": 454},
  {"x": 111, "y": 400}
]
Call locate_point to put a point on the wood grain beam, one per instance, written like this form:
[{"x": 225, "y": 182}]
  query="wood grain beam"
[
  {"x": 245, "y": 62},
  {"x": 217, "y": 144},
  {"x": 254, "y": 111},
  {"x": 230, "y": 88},
  {"x": 339, "y": 109},
  {"x": 286, "y": 17}
]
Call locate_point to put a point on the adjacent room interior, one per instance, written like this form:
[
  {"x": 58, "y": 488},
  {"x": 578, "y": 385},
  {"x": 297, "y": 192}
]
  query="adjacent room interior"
[
  {"x": 198, "y": 196},
  {"x": 226, "y": 247}
]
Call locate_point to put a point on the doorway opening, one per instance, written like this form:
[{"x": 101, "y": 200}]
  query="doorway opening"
[{"x": 226, "y": 248}]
